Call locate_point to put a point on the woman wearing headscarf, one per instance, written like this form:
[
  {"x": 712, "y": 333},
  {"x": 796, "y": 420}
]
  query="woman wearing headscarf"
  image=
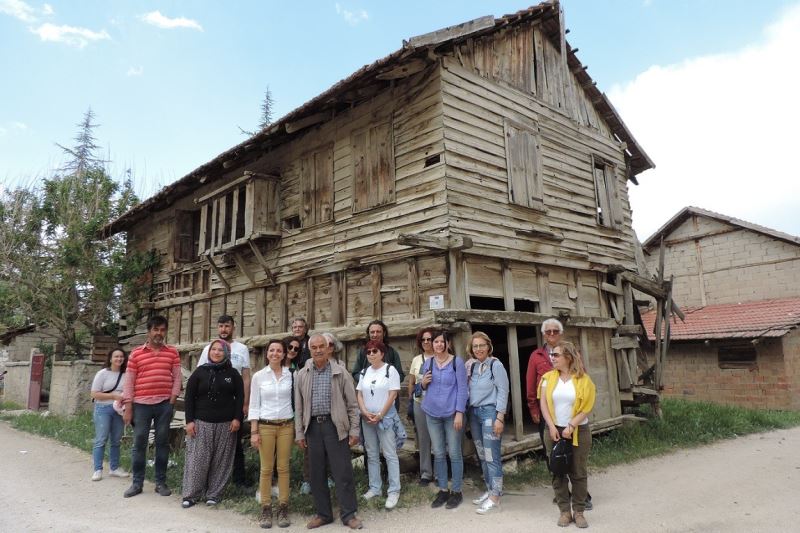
[
  {"x": 567, "y": 396},
  {"x": 488, "y": 399},
  {"x": 214, "y": 399}
]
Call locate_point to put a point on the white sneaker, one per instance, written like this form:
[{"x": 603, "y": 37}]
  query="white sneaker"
[
  {"x": 369, "y": 495},
  {"x": 481, "y": 499},
  {"x": 118, "y": 472},
  {"x": 488, "y": 507},
  {"x": 305, "y": 488},
  {"x": 391, "y": 500},
  {"x": 97, "y": 476}
]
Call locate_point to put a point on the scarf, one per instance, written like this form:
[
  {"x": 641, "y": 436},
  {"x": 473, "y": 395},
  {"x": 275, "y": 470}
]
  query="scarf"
[{"x": 215, "y": 369}]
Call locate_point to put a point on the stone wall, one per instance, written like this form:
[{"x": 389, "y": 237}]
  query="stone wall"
[
  {"x": 737, "y": 265},
  {"x": 20, "y": 348},
  {"x": 692, "y": 372},
  {"x": 16, "y": 382},
  {"x": 70, "y": 386}
]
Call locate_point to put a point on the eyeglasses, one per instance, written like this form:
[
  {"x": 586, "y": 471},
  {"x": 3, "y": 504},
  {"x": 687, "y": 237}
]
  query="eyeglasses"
[
  {"x": 293, "y": 348},
  {"x": 427, "y": 339},
  {"x": 557, "y": 354},
  {"x": 372, "y": 351},
  {"x": 479, "y": 346},
  {"x": 552, "y": 332}
]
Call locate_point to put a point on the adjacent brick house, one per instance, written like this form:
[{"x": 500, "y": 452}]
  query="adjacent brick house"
[{"x": 739, "y": 285}]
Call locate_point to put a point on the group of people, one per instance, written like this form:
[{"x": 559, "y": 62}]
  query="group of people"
[{"x": 306, "y": 396}]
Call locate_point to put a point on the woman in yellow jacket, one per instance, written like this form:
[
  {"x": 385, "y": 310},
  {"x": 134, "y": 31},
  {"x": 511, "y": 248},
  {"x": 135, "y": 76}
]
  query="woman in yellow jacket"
[{"x": 566, "y": 396}]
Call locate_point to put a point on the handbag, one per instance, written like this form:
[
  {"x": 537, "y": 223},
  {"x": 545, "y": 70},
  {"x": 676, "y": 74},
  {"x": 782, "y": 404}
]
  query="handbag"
[
  {"x": 410, "y": 410},
  {"x": 561, "y": 457}
]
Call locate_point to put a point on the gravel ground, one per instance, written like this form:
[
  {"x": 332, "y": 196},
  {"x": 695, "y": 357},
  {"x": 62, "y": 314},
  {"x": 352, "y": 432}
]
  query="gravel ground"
[{"x": 748, "y": 484}]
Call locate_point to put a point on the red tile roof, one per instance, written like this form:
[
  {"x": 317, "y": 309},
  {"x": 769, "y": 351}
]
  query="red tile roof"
[{"x": 748, "y": 320}]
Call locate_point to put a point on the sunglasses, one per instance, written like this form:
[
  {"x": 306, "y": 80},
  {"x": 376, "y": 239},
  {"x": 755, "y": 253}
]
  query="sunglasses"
[
  {"x": 479, "y": 346},
  {"x": 293, "y": 348},
  {"x": 372, "y": 351},
  {"x": 557, "y": 354},
  {"x": 552, "y": 332},
  {"x": 426, "y": 339}
]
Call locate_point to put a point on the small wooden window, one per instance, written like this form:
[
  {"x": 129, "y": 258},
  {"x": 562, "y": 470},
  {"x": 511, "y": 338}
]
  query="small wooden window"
[
  {"x": 243, "y": 210},
  {"x": 316, "y": 186},
  {"x": 608, "y": 205},
  {"x": 524, "y": 165},
  {"x": 737, "y": 356},
  {"x": 186, "y": 233},
  {"x": 373, "y": 167}
]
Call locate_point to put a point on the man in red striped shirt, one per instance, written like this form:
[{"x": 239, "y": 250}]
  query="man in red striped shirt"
[{"x": 152, "y": 383}]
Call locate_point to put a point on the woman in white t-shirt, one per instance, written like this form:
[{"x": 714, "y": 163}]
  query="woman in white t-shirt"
[
  {"x": 108, "y": 425},
  {"x": 378, "y": 386},
  {"x": 567, "y": 396}
]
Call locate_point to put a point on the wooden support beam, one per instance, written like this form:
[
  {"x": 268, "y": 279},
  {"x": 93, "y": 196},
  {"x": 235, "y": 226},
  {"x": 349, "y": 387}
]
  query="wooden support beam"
[
  {"x": 613, "y": 289},
  {"x": 513, "y": 354},
  {"x": 451, "y": 32},
  {"x": 283, "y": 307},
  {"x": 404, "y": 70},
  {"x": 451, "y": 242},
  {"x": 630, "y": 331},
  {"x": 338, "y": 298},
  {"x": 261, "y": 261},
  {"x": 579, "y": 307},
  {"x": 624, "y": 343},
  {"x": 260, "y": 312},
  {"x": 237, "y": 258},
  {"x": 310, "y": 310},
  {"x": 217, "y": 271},
  {"x": 376, "y": 292},
  {"x": 540, "y": 233},
  {"x": 456, "y": 284},
  {"x": 519, "y": 318},
  {"x": 643, "y": 284},
  {"x": 310, "y": 120},
  {"x": 413, "y": 287}
]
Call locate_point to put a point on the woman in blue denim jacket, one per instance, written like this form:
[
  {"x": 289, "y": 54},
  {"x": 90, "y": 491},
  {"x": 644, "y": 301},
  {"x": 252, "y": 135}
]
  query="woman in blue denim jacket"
[{"x": 488, "y": 399}]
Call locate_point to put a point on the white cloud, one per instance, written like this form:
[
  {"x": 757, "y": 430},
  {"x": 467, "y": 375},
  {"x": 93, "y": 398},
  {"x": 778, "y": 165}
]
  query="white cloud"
[
  {"x": 160, "y": 21},
  {"x": 13, "y": 126},
  {"x": 352, "y": 17},
  {"x": 722, "y": 131},
  {"x": 47, "y": 9},
  {"x": 70, "y": 35},
  {"x": 135, "y": 71},
  {"x": 19, "y": 125},
  {"x": 18, "y": 9}
]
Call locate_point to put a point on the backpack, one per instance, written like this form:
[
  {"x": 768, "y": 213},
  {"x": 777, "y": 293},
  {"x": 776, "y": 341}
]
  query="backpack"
[
  {"x": 364, "y": 372},
  {"x": 561, "y": 457},
  {"x": 430, "y": 366},
  {"x": 491, "y": 369}
]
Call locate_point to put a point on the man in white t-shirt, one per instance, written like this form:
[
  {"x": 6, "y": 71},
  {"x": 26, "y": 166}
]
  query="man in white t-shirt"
[{"x": 240, "y": 360}]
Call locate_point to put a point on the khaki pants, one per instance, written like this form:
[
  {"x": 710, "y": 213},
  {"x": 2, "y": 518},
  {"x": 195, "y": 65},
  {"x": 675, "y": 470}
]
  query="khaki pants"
[
  {"x": 275, "y": 439},
  {"x": 578, "y": 474}
]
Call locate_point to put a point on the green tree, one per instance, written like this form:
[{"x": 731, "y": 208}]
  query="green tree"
[
  {"x": 53, "y": 266},
  {"x": 265, "y": 118}
]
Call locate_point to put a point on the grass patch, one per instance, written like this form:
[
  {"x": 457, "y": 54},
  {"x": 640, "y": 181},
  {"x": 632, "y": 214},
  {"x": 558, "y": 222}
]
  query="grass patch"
[
  {"x": 9, "y": 406},
  {"x": 684, "y": 424}
]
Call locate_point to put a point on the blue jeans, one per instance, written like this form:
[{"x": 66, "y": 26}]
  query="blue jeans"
[
  {"x": 160, "y": 415},
  {"x": 107, "y": 423},
  {"x": 445, "y": 440},
  {"x": 487, "y": 445},
  {"x": 376, "y": 441}
]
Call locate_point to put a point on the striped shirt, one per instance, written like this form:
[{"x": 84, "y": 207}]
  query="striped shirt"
[{"x": 152, "y": 376}]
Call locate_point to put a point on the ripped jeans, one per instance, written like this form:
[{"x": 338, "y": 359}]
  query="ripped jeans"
[{"x": 487, "y": 445}]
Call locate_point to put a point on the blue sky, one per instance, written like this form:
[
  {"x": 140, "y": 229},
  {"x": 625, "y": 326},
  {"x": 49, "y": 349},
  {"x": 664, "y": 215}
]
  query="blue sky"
[{"x": 170, "y": 82}]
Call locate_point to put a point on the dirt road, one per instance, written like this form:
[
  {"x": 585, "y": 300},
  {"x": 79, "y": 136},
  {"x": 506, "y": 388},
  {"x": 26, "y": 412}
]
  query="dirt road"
[{"x": 749, "y": 484}]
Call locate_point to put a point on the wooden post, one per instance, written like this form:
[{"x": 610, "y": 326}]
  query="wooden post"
[
  {"x": 584, "y": 337},
  {"x": 283, "y": 306},
  {"x": 455, "y": 280},
  {"x": 413, "y": 288},
  {"x": 631, "y": 352},
  {"x": 376, "y": 292},
  {"x": 310, "y": 302},
  {"x": 513, "y": 354},
  {"x": 260, "y": 312},
  {"x": 659, "y": 317}
]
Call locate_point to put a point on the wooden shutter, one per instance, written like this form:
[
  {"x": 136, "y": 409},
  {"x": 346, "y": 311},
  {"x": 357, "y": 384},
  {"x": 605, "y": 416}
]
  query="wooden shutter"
[
  {"x": 323, "y": 172},
  {"x": 373, "y": 167},
  {"x": 523, "y": 161},
  {"x": 183, "y": 237},
  {"x": 308, "y": 187},
  {"x": 360, "y": 171}
]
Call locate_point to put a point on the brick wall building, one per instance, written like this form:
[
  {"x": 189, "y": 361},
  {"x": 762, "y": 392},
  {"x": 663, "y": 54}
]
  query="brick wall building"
[{"x": 739, "y": 285}]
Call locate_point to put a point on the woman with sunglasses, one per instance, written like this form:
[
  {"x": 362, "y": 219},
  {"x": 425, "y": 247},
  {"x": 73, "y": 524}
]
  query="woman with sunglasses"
[
  {"x": 567, "y": 396},
  {"x": 415, "y": 392},
  {"x": 488, "y": 399},
  {"x": 294, "y": 346},
  {"x": 445, "y": 383},
  {"x": 271, "y": 420},
  {"x": 378, "y": 386}
]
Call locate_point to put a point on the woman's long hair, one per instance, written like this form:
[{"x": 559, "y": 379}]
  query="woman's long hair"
[
  {"x": 572, "y": 354},
  {"x": 124, "y": 361}
]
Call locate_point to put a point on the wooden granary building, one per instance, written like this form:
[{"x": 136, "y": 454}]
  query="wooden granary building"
[{"x": 476, "y": 178}]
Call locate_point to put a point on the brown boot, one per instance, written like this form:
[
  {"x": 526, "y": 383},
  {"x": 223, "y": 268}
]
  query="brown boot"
[
  {"x": 265, "y": 520},
  {"x": 283, "y": 515},
  {"x": 565, "y": 519},
  {"x": 580, "y": 521}
]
